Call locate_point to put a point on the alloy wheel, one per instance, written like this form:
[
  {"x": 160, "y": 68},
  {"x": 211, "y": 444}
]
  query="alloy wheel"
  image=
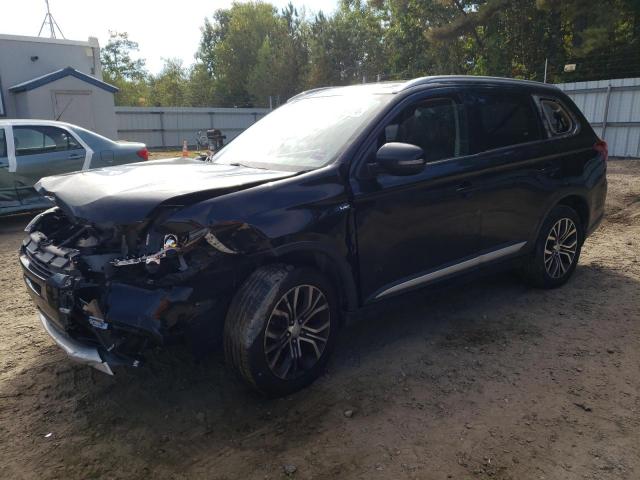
[
  {"x": 297, "y": 332},
  {"x": 560, "y": 247}
]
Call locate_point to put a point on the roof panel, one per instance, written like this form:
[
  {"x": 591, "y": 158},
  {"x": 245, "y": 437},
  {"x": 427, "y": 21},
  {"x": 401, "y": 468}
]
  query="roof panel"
[{"x": 57, "y": 75}]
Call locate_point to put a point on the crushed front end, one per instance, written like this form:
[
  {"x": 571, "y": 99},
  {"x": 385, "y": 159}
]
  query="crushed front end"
[{"x": 105, "y": 294}]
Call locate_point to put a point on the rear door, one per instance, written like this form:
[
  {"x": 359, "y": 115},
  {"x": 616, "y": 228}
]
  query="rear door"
[
  {"x": 43, "y": 150},
  {"x": 509, "y": 142}
]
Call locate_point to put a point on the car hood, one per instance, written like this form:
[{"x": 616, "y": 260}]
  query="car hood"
[{"x": 127, "y": 194}]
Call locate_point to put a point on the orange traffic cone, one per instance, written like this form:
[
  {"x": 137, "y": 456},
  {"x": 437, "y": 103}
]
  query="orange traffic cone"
[{"x": 185, "y": 150}]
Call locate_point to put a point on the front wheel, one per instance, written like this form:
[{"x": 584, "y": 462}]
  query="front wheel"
[
  {"x": 280, "y": 328},
  {"x": 557, "y": 249}
]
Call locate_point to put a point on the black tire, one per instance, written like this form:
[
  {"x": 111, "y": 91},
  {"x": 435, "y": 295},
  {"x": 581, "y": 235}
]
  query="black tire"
[
  {"x": 535, "y": 271},
  {"x": 246, "y": 323}
]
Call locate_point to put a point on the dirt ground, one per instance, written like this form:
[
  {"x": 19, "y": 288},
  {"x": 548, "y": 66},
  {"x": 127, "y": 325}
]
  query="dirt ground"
[{"x": 490, "y": 380}]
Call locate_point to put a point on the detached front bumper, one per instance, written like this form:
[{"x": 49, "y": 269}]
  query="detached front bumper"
[{"x": 77, "y": 351}]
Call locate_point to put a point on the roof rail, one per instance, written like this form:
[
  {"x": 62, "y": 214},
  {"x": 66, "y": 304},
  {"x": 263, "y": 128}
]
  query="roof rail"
[
  {"x": 307, "y": 92},
  {"x": 468, "y": 78}
]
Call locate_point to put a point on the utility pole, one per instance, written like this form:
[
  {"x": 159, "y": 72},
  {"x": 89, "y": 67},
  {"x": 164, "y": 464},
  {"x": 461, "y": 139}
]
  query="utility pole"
[
  {"x": 51, "y": 22},
  {"x": 546, "y": 63}
]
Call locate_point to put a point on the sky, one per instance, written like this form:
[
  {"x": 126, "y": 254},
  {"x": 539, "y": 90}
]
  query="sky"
[{"x": 163, "y": 29}]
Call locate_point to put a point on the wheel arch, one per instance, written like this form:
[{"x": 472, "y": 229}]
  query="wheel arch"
[
  {"x": 324, "y": 259},
  {"x": 575, "y": 201},
  {"x": 580, "y": 205}
]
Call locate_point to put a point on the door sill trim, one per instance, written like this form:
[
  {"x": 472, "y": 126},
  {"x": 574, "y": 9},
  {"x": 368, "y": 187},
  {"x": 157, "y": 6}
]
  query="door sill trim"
[{"x": 458, "y": 267}]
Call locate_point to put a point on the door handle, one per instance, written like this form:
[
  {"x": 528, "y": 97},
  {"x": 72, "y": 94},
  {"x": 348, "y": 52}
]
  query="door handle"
[
  {"x": 75, "y": 155},
  {"x": 464, "y": 187},
  {"x": 548, "y": 168}
]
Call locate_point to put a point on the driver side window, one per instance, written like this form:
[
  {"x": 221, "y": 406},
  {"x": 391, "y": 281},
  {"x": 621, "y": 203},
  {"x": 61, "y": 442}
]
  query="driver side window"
[{"x": 435, "y": 125}]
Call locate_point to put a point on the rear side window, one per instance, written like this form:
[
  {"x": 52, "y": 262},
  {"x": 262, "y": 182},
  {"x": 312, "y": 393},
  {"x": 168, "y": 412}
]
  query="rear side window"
[
  {"x": 3, "y": 143},
  {"x": 559, "y": 120},
  {"x": 32, "y": 140},
  {"x": 502, "y": 119}
]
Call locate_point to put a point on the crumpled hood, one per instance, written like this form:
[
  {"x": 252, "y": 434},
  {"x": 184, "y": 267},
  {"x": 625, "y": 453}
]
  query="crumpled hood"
[{"x": 127, "y": 194}]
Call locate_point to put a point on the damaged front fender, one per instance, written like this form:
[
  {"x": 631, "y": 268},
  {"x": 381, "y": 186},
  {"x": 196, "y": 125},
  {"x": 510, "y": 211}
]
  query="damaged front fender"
[{"x": 151, "y": 311}]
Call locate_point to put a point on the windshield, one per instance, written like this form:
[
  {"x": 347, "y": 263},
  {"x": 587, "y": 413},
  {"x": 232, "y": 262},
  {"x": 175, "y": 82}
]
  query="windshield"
[{"x": 304, "y": 134}]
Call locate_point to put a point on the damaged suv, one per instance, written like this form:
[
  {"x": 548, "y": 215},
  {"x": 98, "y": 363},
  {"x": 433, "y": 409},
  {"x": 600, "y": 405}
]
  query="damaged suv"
[{"x": 341, "y": 198}]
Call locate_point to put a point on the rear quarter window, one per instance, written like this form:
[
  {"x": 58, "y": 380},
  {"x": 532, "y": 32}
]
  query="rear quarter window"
[
  {"x": 502, "y": 119},
  {"x": 558, "y": 119}
]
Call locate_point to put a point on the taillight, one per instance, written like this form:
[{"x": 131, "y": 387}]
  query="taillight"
[
  {"x": 602, "y": 148},
  {"x": 144, "y": 153}
]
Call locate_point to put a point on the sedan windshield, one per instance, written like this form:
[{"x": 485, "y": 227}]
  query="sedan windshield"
[{"x": 304, "y": 134}]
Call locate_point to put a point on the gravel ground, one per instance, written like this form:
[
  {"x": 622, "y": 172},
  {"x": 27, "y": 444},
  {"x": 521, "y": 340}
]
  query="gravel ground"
[{"x": 486, "y": 380}]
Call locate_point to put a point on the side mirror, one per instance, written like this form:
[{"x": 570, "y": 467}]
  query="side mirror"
[{"x": 400, "y": 158}]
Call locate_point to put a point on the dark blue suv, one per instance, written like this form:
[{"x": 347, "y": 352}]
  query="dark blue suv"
[{"x": 342, "y": 198}]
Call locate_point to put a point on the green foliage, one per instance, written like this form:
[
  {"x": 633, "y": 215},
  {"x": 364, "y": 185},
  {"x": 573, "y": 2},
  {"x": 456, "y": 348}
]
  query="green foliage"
[
  {"x": 168, "y": 88},
  {"x": 251, "y": 53},
  {"x": 120, "y": 70},
  {"x": 116, "y": 58}
]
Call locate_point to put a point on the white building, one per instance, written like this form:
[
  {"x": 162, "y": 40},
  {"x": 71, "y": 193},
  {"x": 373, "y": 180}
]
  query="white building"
[{"x": 56, "y": 79}]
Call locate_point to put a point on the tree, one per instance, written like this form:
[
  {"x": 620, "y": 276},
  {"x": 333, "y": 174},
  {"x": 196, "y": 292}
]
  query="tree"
[
  {"x": 347, "y": 47},
  {"x": 168, "y": 87},
  {"x": 116, "y": 58},
  {"x": 230, "y": 45},
  {"x": 200, "y": 87},
  {"x": 251, "y": 51},
  {"x": 119, "y": 69}
]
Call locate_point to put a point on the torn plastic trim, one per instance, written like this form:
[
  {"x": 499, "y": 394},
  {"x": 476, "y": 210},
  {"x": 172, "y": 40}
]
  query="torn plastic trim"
[
  {"x": 75, "y": 350},
  {"x": 171, "y": 246},
  {"x": 152, "y": 258},
  {"x": 31, "y": 226},
  {"x": 217, "y": 244}
]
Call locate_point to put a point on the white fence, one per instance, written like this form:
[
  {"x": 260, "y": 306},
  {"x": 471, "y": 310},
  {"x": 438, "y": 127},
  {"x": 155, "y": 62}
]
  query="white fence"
[
  {"x": 613, "y": 109},
  {"x": 167, "y": 127}
]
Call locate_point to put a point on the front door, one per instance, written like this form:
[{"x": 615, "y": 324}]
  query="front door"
[
  {"x": 42, "y": 151},
  {"x": 415, "y": 229}
]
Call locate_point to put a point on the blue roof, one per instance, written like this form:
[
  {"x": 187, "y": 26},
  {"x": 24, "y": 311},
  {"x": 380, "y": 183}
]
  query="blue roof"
[{"x": 57, "y": 75}]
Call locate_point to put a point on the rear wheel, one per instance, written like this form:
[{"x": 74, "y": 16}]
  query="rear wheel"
[
  {"x": 280, "y": 328},
  {"x": 557, "y": 249}
]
